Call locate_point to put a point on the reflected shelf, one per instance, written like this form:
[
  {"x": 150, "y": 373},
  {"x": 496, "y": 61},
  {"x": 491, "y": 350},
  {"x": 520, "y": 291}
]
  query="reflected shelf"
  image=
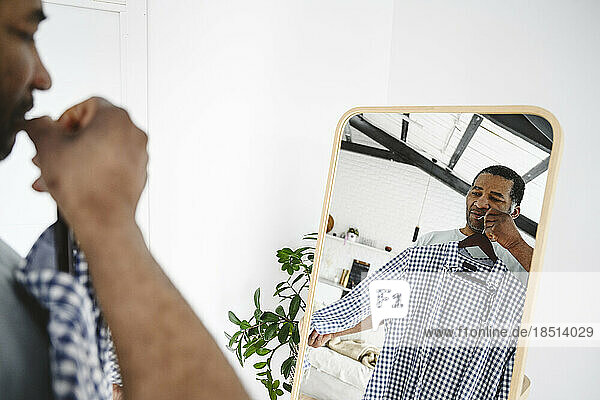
[
  {"x": 334, "y": 284},
  {"x": 328, "y": 236}
]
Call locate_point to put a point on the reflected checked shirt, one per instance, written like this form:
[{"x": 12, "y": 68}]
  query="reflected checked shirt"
[
  {"x": 446, "y": 295},
  {"x": 83, "y": 361}
]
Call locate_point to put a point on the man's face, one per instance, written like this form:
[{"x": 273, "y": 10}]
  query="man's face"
[
  {"x": 21, "y": 71},
  {"x": 488, "y": 191}
]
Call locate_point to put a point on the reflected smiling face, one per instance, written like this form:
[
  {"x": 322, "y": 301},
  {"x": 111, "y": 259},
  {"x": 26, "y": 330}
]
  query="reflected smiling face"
[
  {"x": 488, "y": 191},
  {"x": 21, "y": 70}
]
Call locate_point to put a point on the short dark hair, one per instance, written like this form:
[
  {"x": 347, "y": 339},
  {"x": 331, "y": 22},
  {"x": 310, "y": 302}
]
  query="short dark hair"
[{"x": 518, "y": 188}]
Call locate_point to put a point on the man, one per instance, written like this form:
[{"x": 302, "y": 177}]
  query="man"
[
  {"x": 93, "y": 163},
  {"x": 492, "y": 204}
]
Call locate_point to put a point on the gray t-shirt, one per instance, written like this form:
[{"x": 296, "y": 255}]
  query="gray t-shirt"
[
  {"x": 455, "y": 235},
  {"x": 24, "y": 356}
]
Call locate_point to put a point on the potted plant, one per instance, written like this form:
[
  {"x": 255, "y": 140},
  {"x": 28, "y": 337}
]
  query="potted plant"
[{"x": 269, "y": 332}]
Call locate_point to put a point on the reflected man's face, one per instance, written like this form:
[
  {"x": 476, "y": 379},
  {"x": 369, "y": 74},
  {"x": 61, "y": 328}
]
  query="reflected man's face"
[
  {"x": 21, "y": 70},
  {"x": 488, "y": 191}
]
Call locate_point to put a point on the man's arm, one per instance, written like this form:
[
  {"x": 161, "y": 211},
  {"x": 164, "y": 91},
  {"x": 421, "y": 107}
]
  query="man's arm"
[
  {"x": 500, "y": 227},
  {"x": 316, "y": 340},
  {"x": 93, "y": 162},
  {"x": 523, "y": 253}
]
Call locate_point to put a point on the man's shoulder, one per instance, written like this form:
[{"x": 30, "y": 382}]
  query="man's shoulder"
[
  {"x": 9, "y": 259},
  {"x": 24, "y": 356},
  {"x": 437, "y": 237}
]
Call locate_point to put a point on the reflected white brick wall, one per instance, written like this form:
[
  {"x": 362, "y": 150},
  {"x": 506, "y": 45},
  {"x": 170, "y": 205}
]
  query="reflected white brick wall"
[{"x": 383, "y": 200}]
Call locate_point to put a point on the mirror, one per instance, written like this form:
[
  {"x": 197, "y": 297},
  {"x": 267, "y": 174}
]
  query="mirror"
[{"x": 434, "y": 219}]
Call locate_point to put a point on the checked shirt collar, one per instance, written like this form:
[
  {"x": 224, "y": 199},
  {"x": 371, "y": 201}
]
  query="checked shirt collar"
[{"x": 82, "y": 356}]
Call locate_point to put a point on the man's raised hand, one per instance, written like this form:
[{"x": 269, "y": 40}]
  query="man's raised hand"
[
  {"x": 500, "y": 227},
  {"x": 92, "y": 161}
]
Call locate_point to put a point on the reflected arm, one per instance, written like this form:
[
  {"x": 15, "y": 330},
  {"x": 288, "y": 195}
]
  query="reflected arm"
[
  {"x": 523, "y": 253},
  {"x": 363, "y": 325},
  {"x": 316, "y": 340}
]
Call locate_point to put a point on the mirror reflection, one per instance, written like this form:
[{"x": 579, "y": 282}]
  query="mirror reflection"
[{"x": 448, "y": 204}]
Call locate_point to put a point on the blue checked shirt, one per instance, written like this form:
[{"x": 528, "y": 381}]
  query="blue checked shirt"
[
  {"x": 444, "y": 295},
  {"x": 83, "y": 361}
]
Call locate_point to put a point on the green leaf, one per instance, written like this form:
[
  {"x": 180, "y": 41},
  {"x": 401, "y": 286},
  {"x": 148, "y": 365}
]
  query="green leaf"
[
  {"x": 286, "y": 366},
  {"x": 296, "y": 335},
  {"x": 287, "y": 387},
  {"x": 257, "y": 298},
  {"x": 297, "y": 279},
  {"x": 294, "y": 306},
  {"x": 234, "y": 338},
  {"x": 238, "y": 353},
  {"x": 271, "y": 331},
  {"x": 261, "y": 373},
  {"x": 279, "y": 392},
  {"x": 280, "y": 311},
  {"x": 263, "y": 351},
  {"x": 233, "y": 318},
  {"x": 245, "y": 324},
  {"x": 283, "y": 333},
  {"x": 250, "y": 343},
  {"x": 260, "y": 365},
  {"x": 249, "y": 351},
  {"x": 276, "y": 384},
  {"x": 269, "y": 317}
]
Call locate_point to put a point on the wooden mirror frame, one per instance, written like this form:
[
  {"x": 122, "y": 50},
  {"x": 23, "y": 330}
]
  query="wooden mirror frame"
[{"x": 517, "y": 381}]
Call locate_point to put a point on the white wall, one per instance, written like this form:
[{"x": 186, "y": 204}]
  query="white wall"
[
  {"x": 244, "y": 98},
  {"x": 541, "y": 53}
]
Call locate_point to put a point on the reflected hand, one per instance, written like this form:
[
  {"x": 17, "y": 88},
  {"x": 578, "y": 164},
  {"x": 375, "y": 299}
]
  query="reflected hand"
[
  {"x": 317, "y": 340},
  {"x": 500, "y": 227}
]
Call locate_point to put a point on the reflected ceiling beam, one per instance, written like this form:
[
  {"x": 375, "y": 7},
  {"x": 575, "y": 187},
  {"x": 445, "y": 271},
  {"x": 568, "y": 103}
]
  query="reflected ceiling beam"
[
  {"x": 369, "y": 151},
  {"x": 531, "y": 128},
  {"x": 404, "y": 132},
  {"x": 465, "y": 139},
  {"x": 537, "y": 170},
  {"x": 403, "y": 153}
]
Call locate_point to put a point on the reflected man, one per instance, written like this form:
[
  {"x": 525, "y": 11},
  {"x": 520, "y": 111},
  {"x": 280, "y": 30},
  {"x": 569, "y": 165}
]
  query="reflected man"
[{"x": 492, "y": 204}]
